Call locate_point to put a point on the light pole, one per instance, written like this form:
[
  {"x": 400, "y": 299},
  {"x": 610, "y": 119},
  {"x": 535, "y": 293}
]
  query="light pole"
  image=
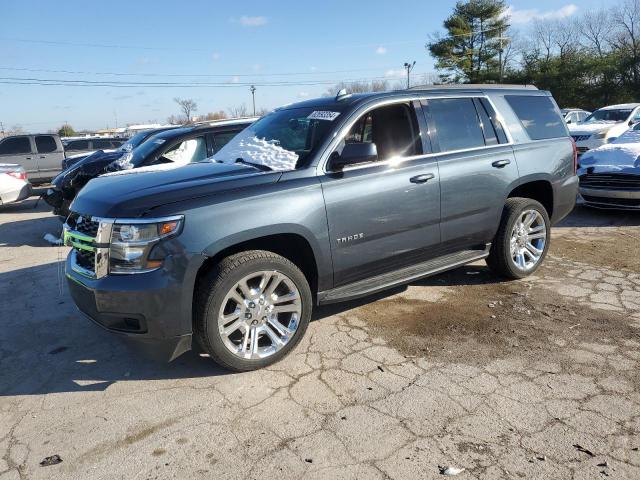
[
  {"x": 252, "y": 89},
  {"x": 408, "y": 67}
]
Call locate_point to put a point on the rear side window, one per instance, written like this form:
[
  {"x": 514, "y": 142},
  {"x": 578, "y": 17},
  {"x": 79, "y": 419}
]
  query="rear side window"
[
  {"x": 46, "y": 144},
  {"x": 456, "y": 123},
  {"x": 78, "y": 145},
  {"x": 221, "y": 139},
  {"x": 15, "y": 146},
  {"x": 538, "y": 115}
]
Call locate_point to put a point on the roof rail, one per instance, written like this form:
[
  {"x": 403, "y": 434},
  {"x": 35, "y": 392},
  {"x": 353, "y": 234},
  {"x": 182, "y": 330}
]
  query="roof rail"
[{"x": 472, "y": 86}]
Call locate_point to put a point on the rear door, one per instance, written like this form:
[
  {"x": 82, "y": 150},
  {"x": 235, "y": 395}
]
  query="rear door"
[
  {"x": 49, "y": 156},
  {"x": 477, "y": 169},
  {"x": 19, "y": 149},
  {"x": 384, "y": 215}
]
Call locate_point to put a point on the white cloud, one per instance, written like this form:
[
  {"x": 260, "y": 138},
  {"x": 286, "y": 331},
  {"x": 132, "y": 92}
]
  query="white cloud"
[
  {"x": 381, "y": 50},
  {"x": 395, "y": 73},
  {"x": 235, "y": 79},
  {"x": 215, "y": 56},
  {"x": 528, "y": 15},
  {"x": 313, "y": 69},
  {"x": 257, "y": 21}
]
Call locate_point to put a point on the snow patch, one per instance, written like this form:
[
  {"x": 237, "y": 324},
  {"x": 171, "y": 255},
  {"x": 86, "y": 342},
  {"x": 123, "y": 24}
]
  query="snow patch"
[{"x": 247, "y": 146}]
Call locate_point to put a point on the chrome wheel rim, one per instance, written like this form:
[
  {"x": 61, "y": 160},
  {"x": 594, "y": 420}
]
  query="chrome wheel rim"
[
  {"x": 260, "y": 315},
  {"x": 528, "y": 239}
]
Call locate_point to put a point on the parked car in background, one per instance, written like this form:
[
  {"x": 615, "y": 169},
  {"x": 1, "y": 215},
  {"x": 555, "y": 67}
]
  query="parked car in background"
[
  {"x": 129, "y": 145},
  {"x": 40, "y": 155},
  {"x": 610, "y": 175},
  {"x": 167, "y": 149},
  {"x": 88, "y": 145},
  {"x": 318, "y": 202},
  {"x": 604, "y": 125},
  {"x": 14, "y": 185},
  {"x": 574, "y": 115}
]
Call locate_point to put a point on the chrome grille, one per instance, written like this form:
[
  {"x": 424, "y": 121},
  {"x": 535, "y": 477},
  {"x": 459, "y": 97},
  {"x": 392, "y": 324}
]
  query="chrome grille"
[
  {"x": 610, "y": 180},
  {"x": 89, "y": 238}
]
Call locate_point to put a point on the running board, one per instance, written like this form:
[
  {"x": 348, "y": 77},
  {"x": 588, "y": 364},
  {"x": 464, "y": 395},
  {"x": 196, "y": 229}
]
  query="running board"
[{"x": 405, "y": 275}]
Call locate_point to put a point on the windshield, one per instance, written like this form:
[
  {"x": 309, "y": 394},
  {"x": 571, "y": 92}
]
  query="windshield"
[
  {"x": 134, "y": 141},
  {"x": 608, "y": 116},
  {"x": 282, "y": 140}
]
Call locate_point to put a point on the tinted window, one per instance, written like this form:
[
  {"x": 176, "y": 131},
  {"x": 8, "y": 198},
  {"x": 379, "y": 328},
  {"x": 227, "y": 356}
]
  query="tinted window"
[
  {"x": 502, "y": 137},
  {"x": 116, "y": 143},
  {"x": 608, "y": 115},
  {"x": 393, "y": 129},
  {"x": 15, "y": 145},
  {"x": 490, "y": 136},
  {"x": 221, "y": 139},
  {"x": 46, "y": 144},
  {"x": 101, "y": 144},
  {"x": 456, "y": 123},
  {"x": 78, "y": 145},
  {"x": 539, "y": 116}
]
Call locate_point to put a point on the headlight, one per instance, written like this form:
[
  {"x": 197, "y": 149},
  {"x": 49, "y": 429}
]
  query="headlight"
[
  {"x": 132, "y": 242},
  {"x": 600, "y": 135}
]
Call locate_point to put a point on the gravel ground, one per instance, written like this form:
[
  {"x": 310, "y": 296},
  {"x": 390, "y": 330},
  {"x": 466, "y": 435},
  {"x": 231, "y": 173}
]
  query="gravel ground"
[{"x": 530, "y": 379}]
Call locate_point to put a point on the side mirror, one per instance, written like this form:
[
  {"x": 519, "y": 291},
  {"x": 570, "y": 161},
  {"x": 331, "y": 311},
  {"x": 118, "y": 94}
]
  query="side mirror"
[{"x": 354, "y": 153}]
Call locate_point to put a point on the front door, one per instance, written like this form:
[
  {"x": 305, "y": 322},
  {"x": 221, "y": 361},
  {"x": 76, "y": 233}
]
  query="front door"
[{"x": 385, "y": 214}]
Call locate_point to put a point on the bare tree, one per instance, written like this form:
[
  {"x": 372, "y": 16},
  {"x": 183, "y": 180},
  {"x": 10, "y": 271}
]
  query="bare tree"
[
  {"x": 627, "y": 19},
  {"x": 359, "y": 87},
  {"x": 239, "y": 111},
  {"x": 595, "y": 28},
  {"x": 219, "y": 115},
  {"x": 188, "y": 106}
]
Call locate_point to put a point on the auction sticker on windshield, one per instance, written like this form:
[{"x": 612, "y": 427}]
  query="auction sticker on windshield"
[{"x": 323, "y": 115}]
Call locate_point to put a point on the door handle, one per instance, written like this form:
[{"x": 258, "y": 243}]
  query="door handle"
[
  {"x": 27, "y": 158},
  {"x": 422, "y": 178},
  {"x": 500, "y": 163},
  {"x": 42, "y": 156}
]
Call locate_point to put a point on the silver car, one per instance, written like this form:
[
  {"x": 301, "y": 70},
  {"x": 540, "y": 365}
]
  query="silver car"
[{"x": 40, "y": 155}]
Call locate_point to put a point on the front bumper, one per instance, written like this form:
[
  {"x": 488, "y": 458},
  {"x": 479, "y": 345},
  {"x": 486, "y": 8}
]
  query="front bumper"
[
  {"x": 16, "y": 195},
  {"x": 613, "y": 199},
  {"x": 151, "y": 311}
]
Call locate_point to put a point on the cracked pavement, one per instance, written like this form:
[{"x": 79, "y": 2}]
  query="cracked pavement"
[{"x": 530, "y": 379}]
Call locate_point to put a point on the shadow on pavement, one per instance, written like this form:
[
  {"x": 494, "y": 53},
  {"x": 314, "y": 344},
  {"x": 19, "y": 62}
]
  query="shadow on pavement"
[{"x": 592, "y": 217}]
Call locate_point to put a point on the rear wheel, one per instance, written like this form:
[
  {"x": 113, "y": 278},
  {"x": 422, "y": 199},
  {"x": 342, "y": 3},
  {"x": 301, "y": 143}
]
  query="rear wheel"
[
  {"x": 522, "y": 240},
  {"x": 252, "y": 309}
]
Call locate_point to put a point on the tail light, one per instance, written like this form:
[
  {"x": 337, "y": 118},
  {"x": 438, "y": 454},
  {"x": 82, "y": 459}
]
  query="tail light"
[
  {"x": 575, "y": 156},
  {"x": 20, "y": 175}
]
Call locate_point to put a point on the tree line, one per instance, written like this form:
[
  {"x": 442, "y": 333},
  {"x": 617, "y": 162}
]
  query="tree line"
[{"x": 588, "y": 60}]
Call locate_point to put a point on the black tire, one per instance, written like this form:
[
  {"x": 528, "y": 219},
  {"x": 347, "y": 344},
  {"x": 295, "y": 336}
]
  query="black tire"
[
  {"x": 212, "y": 290},
  {"x": 499, "y": 259}
]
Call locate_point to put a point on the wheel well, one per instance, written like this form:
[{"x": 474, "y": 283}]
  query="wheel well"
[
  {"x": 291, "y": 246},
  {"x": 539, "y": 190}
]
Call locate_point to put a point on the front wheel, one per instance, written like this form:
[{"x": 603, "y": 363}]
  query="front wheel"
[
  {"x": 252, "y": 309},
  {"x": 522, "y": 240}
]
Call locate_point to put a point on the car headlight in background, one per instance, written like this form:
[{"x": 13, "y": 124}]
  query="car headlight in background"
[{"x": 132, "y": 242}]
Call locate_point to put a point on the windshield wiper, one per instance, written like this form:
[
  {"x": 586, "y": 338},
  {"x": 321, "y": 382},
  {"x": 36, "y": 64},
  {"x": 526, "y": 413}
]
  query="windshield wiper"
[{"x": 259, "y": 166}]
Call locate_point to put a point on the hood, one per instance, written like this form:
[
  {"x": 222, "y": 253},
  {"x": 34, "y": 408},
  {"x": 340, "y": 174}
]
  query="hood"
[
  {"x": 135, "y": 192},
  {"x": 590, "y": 128},
  {"x": 616, "y": 157},
  {"x": 80, "y": 172}
]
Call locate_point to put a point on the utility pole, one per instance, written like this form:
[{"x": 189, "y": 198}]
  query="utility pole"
[
  {"x": 408, "y": 67},
  {"x": 500, "y": 56},
  {"x": 252, "y": 89}
]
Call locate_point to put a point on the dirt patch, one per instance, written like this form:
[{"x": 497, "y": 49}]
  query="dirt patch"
[
  {"x": 480, "y": 320},
  {"x": 616, "y": 249}
]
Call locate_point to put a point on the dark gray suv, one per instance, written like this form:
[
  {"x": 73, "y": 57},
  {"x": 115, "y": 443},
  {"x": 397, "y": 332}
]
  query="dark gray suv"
[{"x": 319, "y": 202}]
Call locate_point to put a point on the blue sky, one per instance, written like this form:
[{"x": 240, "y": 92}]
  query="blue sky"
[{"x": 234, "y": 43}]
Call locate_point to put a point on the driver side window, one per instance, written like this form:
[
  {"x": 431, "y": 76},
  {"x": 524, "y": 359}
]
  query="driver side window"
[
  {"x": 392, "y": 128},
  {"x": 187, "y": 151}
]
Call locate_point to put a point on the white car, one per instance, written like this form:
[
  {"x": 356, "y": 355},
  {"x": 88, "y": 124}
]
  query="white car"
[
  {"x": 610, "y": 175},
  {"x": 604, "y": 125},
  {"x": 574, "y": 115},
  {"x": 14, "y": 185}
]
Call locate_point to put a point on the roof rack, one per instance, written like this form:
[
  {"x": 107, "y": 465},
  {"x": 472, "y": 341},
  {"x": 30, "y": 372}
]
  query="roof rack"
[{"x": 473, "y": 86}]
